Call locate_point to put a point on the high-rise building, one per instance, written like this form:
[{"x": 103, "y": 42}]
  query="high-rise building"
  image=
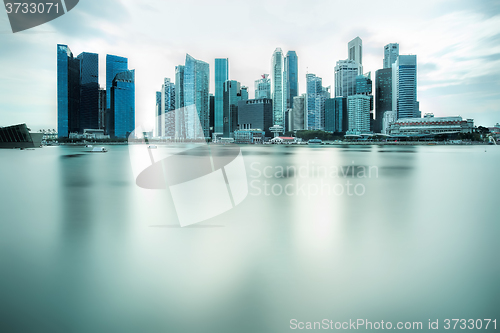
[
  {"x": 196, "y": 100},
  {"x": 299, "y": 113},
  {"x": 391, "y": 53},
  {"x": 404, "y": 87},
  {"x": 221, "y": 76},
  {"x": 292, "y": 77},
  {"x": 68, "y": 92},
  {"x": 179, "y": 86},
  {"x": 263, "y": 87},
  {"x": 345, "y": 78},
  {"x": 233, "y": 93},
  {"x": 256, "y": 114},
  {"x": 102, "y": 109},
  {"x": 355, "y": 52},
  {"x": 212, "y": 113},
  {"x": 158, "y": 122},
  {"x": 123, "y": 104},
  {"x": 316, "y": 96},
  {"x": 89, "y": 90},
  {"x": 278, "y": 87},
  {"x": 167, "y": 105},
  {"x": 383, "y": 96},
  {"x": 114, "y": 65},
  {"x": 358, "y": 110},
  {"x": 336, "y": 115}
]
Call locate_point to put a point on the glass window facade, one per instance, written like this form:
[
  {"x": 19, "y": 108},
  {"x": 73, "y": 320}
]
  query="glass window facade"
[
  {"x": 123, "y": 104},
  {"x": 292, "y": 78},
  {"x": 221, "y": 76},
  {"x": 114, "y": 65},
  {"x": 68, "y": 91}
]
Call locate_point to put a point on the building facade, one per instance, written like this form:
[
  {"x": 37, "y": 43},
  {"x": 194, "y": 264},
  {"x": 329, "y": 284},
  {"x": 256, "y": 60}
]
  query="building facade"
[
  {"x": 383, "y": 96},
  {"x": 404, "y": 87},
  {"x": 196, "y": 101},
  {"x": 431, "y": 125},
  {"x": 256, "y": 114},
  {"x": 278, "y": 87},
  {"x": 316, "y": 96},
  {"x": 263, "y": 87},
  {"x": 336, "y": 115},
  {"x": 358, "y": 110},
  {"x": 355, "y": 53},
  {"x": 292, "y": 77},
  {"x": 167, "y": 105},
  {"x": 345, "y": 77},
  {"x": 391, "y": 53},
  {"x": 89, "y": 91},
  {"x": 68, "y": 92},
  {"x": 299, "y": 113},
  {"x": 221, "y": 76},
  {"x": 123, "y": 104},
  {"x": 114, "y": 65}
]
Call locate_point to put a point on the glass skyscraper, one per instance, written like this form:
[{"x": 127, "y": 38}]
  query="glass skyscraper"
[
  {"x": 114, "y": 65},
  {"x": 383, "y": 96},
  {"x": 167, "y": 105},
  {"x": 123, "y": 104},
  {"x": 278, "y": 87},
  {"x": 315, "y": 103},
  {"x": 404, "y": 87},
  {"x": 158, "y": 123},
  {"x": 355, "y": 52},
  {"x": 391, "y": 53},
  {"x": 292, "y": 78},
  {"x": 89, "y": 90},
  {"x": 179, "y": 86},
  {"x": 68, "y": 92},
  {"x": 221, "y": 76},
  {"x": 346, "y": 72},
  {"x": 196, "y": 97},
  {"x": 263, "y": 87}
]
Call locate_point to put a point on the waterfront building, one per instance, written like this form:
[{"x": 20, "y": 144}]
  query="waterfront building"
[
  {"x": 68, "y": 91},
  {"x": 114, "y": 65},
  {"x": 358, "y": 112},
  {"x": 233, "y": 93},
  {"x": 212, "y": 114},
  {"x": 391, "y": 53},
  {"x": 278, "y": 87},
  {"x": 256, "y": 114},
  {"x": 355, "y": 53},
  {"x": 263, "y": 87},
  {"x": 158, "y": 126},
  {"x": 89, "y": 91},
  {"x": 431, "y": 125},
  {"x": 404, "y": 87},
  {"x": 249, "y": 136},
  {"x": 383, "y": 96},
  {"x": 122, "y": 114},
  {"x": 102, "y": 109},
  {"x": 388, "y": 118},
  {"x": 179, "y": 86},
  {"x": 18, "y": 136},
  {"x": 299, "y": 113},
  {"x": 292, "y": 78},
  {"x": 346, "y": 72},
  {"x": 196, "y": 101},
  {"x": 167, "y": 105},
  {"x": 221, "y": 76},
  {"x": 316, "y": 96},
  {"x": 336, "y": 115}
]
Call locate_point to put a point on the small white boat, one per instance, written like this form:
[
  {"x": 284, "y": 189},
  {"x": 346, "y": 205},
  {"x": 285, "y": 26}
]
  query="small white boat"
[
  {"x": 99, "y": 150},
  {"x": 88, "y": 146},
  {"x": 152, "y": 147}
]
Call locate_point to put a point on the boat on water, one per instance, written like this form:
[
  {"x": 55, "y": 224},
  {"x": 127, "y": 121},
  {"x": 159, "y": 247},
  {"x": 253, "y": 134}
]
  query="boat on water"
[
  {"x": 315, "y": 141},
  {"x": 89, "y": 146},
  {"x": 19, "y": 136},
  {"x": 99, "y": 150},
  {"x": 152, "y": 147}
]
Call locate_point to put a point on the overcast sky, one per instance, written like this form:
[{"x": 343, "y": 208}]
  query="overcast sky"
[{"x": 457, "y": 43}]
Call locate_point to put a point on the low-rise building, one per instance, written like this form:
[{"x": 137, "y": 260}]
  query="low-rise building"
[
  {"x": 431, "y": 125},
  {"x": 249, "y": 136}
]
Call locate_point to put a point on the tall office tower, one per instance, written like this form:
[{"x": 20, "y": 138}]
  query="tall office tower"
[
  {"x": 391, "y": 53},
  {"x": 263, "y": 87},
  {"x": 358, "y": 110},
  {"x": 114, "y": 65},
  {"x": 233, "y": 93},
  {"x": 345, "y": 78},
  {"x": 404, "y": 87},
  {"x": 167, "y": 105},
  {"x": 179, "y": 86},
  {"x": 221, "y": 76},
  {"x": 256, "y": 114},
  {"x": 383, "y": 96},
  {"x": 89, "y": 91},
  {"x": 123, "y": 104},
  {"x": 212, "y": 113},
  {"x": 158, "y": 127},
  {"x": 196, "y": 101},
  {"x": 316, "y": 96},
  {"x": 355, "y": 52},
  {"x": 68, "y": 92},
  {"x": 278, "y": 87},
  {"x": 336, "y": 115},
  {"x": 299, "y": 113},
  {"x": 102, "y": 108},
  {"x": 292, "y": 77}
]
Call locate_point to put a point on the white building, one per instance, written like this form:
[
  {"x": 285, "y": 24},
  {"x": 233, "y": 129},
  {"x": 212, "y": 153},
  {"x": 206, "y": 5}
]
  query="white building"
[
  {"x": 389, "y": 118},
  {"x": 345, "y": 77},
  {"x": 355, "y": 53},
  {"x": 431, "y": 125},
  {"x": 404, "y": 87},
  {"x": 358, "y": 110}
]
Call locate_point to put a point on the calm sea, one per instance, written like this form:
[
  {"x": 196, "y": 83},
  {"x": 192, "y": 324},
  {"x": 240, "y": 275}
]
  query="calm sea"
[{"x": 415, "y": 236}]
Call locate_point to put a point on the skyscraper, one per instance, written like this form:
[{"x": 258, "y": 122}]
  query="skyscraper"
[
  {"x": 68, "y": 92},
  {"x": 358, "y": 109},
  {"x": 299, "y": 113},
  {"x": 315, "y": 103},
  {"x": 256, "y": 114},
  {"x": 221, "y": 76},
  {"x": 404, "y": 87},
  {"x": 89, "y": 90},
  {"x": 345, "y": 77},
  {"x": 196, "y": 100},
  {"x": 355, "y": 52},
  {"x": 278, "y": 88},
  {"x": 123, "y": 104},
  {"x": 292, "y": 78},
  {"x": 114, "y": 65},
  {"x": 336, "y": 115},
  {"x": 383, "y": 96},
  {"x": 263, "y": 87},
  {"x": 233, "y": 93},
  {"x": 167, "y": 105},
  {"x": 391, "y": 53},
  {"x": 158, "y": 122},
  {"x": 179, "y": 86}
]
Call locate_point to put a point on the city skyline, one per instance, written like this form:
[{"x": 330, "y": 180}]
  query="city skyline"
[{"x": 457, "y": 56}]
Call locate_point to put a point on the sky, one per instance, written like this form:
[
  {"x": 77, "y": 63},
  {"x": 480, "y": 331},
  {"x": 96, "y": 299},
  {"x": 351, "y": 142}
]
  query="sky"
[{"x": 457, "y": 43}]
